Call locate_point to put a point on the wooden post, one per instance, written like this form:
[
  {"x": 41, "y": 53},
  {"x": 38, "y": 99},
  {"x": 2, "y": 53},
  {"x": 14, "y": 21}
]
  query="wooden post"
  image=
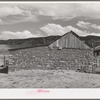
[
  {"x": 4, "y": 61},
  {"x": 44, "y": 41}
]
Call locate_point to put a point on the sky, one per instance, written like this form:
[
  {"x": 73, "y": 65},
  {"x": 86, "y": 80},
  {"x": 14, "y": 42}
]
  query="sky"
[{"x": 29, "y": 20}]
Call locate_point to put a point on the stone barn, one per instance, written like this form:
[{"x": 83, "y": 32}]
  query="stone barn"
[
  {"x": 78, "y": 53},
  {"x": 68, "y": 52}
]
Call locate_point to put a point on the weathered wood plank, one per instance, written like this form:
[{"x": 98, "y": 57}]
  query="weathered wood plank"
[{"x": 69, "y": 40}]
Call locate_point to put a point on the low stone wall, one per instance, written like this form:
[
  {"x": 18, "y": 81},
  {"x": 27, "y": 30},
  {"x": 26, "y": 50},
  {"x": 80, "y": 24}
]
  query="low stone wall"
[{"x": 44, "y": 58}]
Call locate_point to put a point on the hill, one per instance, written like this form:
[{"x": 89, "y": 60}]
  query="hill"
[
  {"x": 13, "y": 44},
  {"x": 91, "y": 40},
  {"x": 26, "y": 43}
]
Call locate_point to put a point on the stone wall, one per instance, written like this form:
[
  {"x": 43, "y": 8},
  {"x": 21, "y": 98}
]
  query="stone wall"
[{"x": 44, "y": 58}]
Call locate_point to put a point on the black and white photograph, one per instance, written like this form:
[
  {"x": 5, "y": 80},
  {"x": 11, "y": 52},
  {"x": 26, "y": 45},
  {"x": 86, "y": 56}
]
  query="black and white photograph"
[{"x": 49, "y": 45}]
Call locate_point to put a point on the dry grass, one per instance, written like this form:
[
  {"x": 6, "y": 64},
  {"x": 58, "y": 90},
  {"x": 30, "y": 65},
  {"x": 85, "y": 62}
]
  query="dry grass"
[{"x": 49, "y": 79}]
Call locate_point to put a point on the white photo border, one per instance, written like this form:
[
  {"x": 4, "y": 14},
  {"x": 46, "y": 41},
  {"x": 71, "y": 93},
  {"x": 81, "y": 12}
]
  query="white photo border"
[{"x": 56, "y": 93}]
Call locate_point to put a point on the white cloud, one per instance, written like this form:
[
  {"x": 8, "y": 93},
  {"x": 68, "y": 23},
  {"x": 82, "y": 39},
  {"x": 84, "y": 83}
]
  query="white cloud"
[
  {"x": 78, "y": 32},
  {"x": 31, "y": 11},
  {"x": 49, "y": 29},
  {"x": 55, "y": 10},
  {"x": 22, "y": 15},
  {"x": 56, "y": 29},
  {"x": 82, "y": 33},
  {"x": 67, "y": 10},
  {"x": 24, "y": 18},
  {"x": 87, "y": 25},
  {"x": 95, "y": 26},
  {"x": 6, "y": 11},
  {"x": 83, "y": 24},
  {"x": 17, "y": 35}
]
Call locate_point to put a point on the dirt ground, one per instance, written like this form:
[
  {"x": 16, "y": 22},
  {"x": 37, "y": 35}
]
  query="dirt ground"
[{"x": 49, "y": 79}]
